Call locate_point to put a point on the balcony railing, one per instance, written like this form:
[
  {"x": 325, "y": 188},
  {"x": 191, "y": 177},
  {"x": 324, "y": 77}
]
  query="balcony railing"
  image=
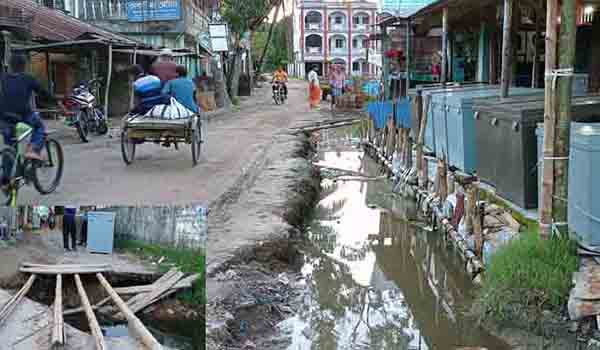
[
  {"x": 361, "y": 51},
  {"x": 314, "y": 27},
  {"x": 339, "y": 51},
  {"x": 104, "y": 10},
  {"x": 314, "y": 50},
  {"x": 339, "y": 27},
  {"x": 360, "y": 27}
]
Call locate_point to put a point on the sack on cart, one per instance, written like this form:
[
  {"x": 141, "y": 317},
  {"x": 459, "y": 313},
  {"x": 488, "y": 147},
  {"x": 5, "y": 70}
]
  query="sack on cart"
[{"x": 173, "y": 111}]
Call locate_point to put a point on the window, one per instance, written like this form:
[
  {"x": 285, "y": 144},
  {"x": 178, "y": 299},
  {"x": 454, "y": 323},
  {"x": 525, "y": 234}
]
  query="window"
[
  {"x": 354, "y": 43},
  {"x": 338, "y": 20},
  {"x": 356, "y": 66},
  {"x": 356, "y": 20},
  {"x": 339, "y": 43}
]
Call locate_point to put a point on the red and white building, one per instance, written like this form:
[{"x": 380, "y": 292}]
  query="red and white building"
[{"x": 334, "y": 31}]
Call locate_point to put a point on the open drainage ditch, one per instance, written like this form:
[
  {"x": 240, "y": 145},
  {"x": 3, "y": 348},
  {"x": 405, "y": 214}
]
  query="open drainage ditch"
[
  {"x": 374, "y": 279},
  {"x": 177, "y": 331}
]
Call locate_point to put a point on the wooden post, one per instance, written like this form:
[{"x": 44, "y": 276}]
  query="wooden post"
[
  {"x": 549, "y": 119},
  {"x": 409, "y": 147},
  {"x": 444, "y": 45},
  {"x": 419, "y": 113},
  {"x": 7, "y": 50},
  {"x": 451, "y": 183},
  {"x": 58, "y": 330},
  {"x": 134, "y": 323},
  {"x": 563, "y": 123},
  {"x": 94, "y": 326},
  {"x": 478, "y": 226},
  {"x": 535, "y": 68},
  {"x": 470, "y": 208},
  {"x": 507, "y": 48},
  {"x": 423, "y": 171},
  {"x": 132, "y": 96},
  {"x": 443, "y": 175},
  {"x": 108, "y": 78}
]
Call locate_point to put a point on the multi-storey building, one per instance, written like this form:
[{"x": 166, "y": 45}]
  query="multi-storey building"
[{"x": 333, "y": 31}]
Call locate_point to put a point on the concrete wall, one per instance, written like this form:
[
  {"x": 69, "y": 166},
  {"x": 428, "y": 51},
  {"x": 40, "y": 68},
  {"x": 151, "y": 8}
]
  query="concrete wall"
[{"x": 179, "y": 226}]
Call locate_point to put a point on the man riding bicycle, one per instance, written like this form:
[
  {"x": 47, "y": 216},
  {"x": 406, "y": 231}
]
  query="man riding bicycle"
[
  {"x": 280, "y": 77},
  {"x": 16, "y": 90}
]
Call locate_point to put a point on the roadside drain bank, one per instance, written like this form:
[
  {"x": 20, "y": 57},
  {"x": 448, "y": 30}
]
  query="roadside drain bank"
[
  {"x": 254, "y": 287},
  {"x": 476, "y": 224}
]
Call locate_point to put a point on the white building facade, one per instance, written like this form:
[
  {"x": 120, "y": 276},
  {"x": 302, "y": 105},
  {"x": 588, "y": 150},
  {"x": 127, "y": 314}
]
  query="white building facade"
[{"x": 330, "y": 31}]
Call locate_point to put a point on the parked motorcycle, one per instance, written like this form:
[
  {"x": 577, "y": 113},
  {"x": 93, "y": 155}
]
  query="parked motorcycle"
[{"x": 83, "y": 112}]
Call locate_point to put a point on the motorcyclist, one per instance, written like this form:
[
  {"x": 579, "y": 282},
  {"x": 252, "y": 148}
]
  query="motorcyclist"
[{"x": 280, "y": 76}]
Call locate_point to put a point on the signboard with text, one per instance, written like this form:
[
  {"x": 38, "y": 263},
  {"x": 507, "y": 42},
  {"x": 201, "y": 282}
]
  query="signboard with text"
[
  {"x": 219, "y": 36},
  {"x": 153, "y": 10}
]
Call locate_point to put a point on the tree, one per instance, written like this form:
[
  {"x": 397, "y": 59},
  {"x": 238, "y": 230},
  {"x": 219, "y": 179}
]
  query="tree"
[
  {"x": 243, "y": 17},
  {"x": 277, "y": 53}
]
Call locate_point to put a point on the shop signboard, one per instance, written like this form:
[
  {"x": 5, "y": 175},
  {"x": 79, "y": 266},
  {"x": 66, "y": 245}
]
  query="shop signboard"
[{"x": 153, "y": 10}]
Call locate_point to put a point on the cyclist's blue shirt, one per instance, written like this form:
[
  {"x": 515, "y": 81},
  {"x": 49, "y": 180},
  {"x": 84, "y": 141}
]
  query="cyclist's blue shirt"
[
  {"x": 17, "y": 90},
  {"x": 182, "y": 89}
]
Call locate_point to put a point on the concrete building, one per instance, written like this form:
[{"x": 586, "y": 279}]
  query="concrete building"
[
  {"x": 175, "y": 24},
  {"x": 330, "y": 31}
]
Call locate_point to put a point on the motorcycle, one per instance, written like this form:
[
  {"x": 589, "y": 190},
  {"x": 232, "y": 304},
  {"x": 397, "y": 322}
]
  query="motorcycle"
[
  {"x": 279, "y": 93},
  {"x": 83, "y": 112}
]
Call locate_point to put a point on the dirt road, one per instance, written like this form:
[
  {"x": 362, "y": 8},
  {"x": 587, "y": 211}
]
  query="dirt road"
[{"x": 95, "y": 172}]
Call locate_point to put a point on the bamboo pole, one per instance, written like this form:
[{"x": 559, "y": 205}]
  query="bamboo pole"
[
  {"x": 423, "y": 173},
  {"x": 89, "y": 313},
  {"x": 132, "y": 92},
  {"x": 563, "y": 124},
  {"x": 134, "y": 322},
  {"x": 419, "y": 147},
  {"x": 470, "y": 208},
  {"x": 444, "y": 45},
  {"x": 535, "y": 68},
  {"x": 58, "y": 330},
  {"x": 549, "y": 119},
  {"x": 108, "y": 78},
  {"x": 443, "y": 175},
  {"x": 507, "y": 48},
  {"x": 10, "y": 305},
  {"x": 477, "y": 223}
]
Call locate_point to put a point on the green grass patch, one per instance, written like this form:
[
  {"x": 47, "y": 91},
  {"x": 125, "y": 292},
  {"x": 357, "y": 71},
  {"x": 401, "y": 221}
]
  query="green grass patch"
[
  {"x": 189, "y": 261},
  {"x": 528, "y": 274},
  {"x": 235, "y": 101}
]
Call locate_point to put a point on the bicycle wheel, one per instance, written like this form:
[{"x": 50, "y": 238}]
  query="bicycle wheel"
[
  {"x": 196, "y": 140},
  {"x": 82, "y": 125},
  {"x": 48, "y": 173},
  {"x": 127, "y": 148},
  {"x": 7, "y": 159},
  {"x": 102, "y": 124}
]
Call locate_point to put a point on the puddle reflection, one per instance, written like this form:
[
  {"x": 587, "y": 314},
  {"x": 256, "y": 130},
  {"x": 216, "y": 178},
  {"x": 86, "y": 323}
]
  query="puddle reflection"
[{"x": 378, "y": 282}]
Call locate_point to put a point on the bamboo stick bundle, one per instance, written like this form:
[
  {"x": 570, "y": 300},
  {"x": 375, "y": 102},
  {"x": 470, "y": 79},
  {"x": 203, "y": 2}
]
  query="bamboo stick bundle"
[
  {"x": 12, "y": 303},
  {"x": 58, "y": 330}
]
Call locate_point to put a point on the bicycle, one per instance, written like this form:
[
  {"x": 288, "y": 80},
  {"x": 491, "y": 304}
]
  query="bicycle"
[{"x": 22, "y": 171}]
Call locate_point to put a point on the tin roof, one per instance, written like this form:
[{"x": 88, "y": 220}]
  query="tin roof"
[{"x": 54, "y": 25}]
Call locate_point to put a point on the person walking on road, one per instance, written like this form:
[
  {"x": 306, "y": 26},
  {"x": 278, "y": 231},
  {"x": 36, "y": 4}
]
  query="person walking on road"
[
  {"x": 314, "y": 90},
  {"x": 70, "y": 228}
]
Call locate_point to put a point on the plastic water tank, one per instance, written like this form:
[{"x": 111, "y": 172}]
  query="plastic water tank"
[{"x": 584, "y": 170}]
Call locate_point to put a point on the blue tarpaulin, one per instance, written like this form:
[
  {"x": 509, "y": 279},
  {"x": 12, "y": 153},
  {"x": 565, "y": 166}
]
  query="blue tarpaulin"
[
  {"x": 380, "y": 112},
  {"x": 403, "y": 119}
]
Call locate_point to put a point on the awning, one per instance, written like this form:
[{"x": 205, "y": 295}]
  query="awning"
[{"x": 156, "y": 53}]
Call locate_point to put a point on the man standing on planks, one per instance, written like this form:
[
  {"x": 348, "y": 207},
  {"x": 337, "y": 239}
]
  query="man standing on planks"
[{"x": 69, "y": 228}]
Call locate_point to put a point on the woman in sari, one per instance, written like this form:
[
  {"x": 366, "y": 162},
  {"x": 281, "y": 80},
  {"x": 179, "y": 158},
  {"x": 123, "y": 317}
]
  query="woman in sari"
[{"x": 314, "y": 91}]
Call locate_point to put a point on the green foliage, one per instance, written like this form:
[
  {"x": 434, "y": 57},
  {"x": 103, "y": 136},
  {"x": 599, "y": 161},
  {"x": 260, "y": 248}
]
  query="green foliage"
[
  {"x": 278, "y": 50},
  {"x": 241, "y": 15},
  {"x": 189, "y": 261},
  {"x": 528, "y": 274},
  {"x": 235, "y": 101}
]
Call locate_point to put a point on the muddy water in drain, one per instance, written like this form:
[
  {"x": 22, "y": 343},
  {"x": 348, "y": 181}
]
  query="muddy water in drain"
[{"x": 376, "y": 281}]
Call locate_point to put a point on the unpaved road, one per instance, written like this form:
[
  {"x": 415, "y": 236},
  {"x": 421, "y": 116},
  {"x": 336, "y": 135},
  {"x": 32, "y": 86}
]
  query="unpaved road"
[{"x": 95, "y": 172}]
